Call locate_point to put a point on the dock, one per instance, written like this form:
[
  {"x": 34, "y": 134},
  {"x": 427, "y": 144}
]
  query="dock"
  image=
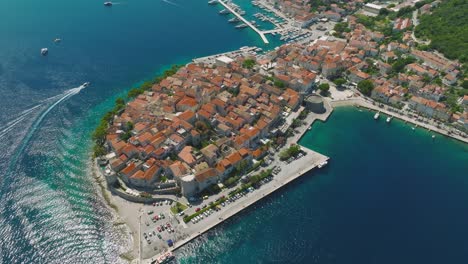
[
  {"x": 232, "y": 54},
  {"x": 259, "y": 32}
]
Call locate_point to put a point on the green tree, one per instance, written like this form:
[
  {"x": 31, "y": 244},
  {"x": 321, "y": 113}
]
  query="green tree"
[
  {"x": 366, "y": 87},
  {"x": 324, "y": 88},
  {"x": 129, "y": 126},
  {"x": 248, "y": 63},
  {"x": 279, "y": 84},
  {"x": 339, "y": 82}
]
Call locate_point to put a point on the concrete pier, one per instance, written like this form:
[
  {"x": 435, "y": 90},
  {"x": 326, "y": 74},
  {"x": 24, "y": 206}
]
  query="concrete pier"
[{"x": 259, "y": 32}]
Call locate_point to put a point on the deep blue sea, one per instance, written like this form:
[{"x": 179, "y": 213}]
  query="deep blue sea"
[{"x": 389, "y": 195}]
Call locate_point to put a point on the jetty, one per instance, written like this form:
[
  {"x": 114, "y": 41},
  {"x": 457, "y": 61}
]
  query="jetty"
[
  {"x": 235, "y": 13},
  {"x": 232, "y": 54}
]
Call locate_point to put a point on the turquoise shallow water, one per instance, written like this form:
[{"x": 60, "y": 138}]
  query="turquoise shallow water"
[{"x": 388, "y": 195}]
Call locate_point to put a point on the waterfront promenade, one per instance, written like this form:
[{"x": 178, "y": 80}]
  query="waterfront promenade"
[
  {"x": 259, "y": 32},
  {"x": 367, "y": 104}
]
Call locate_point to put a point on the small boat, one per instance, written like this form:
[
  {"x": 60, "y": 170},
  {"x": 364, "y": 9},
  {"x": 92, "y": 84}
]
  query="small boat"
[
  {"x": 233, "y": 20},
  {"x": 44, "y": 51},
  {"x": 413, "y": 128},
  {"x": 241, "y": 26},
  {"x": 389, "y": 119},
  {"x": 86, "y": 84},
  {"x": 241, "y": 12},
  {"x": 309, "y": 128},
  {"x": 107, "y": 3},
  {"x": 433, "y": 136},
  {"x": 322, "y": 164},
  {"x": 57, "y": 40},
  {"x": 224, "y": 12},
  {"x": 213, "y": 2},
  {"x": 165, "y": 258},
  {"x": 376, "y": 116}
]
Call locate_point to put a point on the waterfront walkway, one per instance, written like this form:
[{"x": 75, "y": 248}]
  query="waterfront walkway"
[
  {"x": 366, "y": 104},
  {"x": 259, "y": 32}
]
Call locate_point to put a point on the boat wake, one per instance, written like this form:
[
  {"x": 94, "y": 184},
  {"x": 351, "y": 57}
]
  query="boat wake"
[
  {"x": 171, "y": 3},
  {"x": 24, "y": 142},
  {"x": 11, "y": 124}
]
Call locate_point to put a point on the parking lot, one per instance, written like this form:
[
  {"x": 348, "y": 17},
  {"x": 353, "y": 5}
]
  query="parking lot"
[{"x": 158, "y": 226}]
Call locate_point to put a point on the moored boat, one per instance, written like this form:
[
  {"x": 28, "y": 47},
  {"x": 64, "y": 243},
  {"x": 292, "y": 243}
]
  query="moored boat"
[
  {"x": 322, "y": 164},
  {"x": 107, "y": 3},
  {"x": 241, "y": 26},
  {"x": 389, "y": 119},
  {"x": 224, "y": 12},
  {"x": 376, "y": 116},
  {"x": 165, "y": 258},
  {"x": 212, "y": 2}
]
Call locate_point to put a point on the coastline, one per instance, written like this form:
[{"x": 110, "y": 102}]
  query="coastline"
[
  {"x": 115, "y": 208},
  {"x": 289, "y": 173},
  {"x": 126, "y": 211},
  {"x": 365, "y": 104}
]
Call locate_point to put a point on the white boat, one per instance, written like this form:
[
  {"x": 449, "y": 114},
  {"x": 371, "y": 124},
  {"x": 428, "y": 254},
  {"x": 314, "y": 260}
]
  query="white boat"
[
  {"x": 44, "y": 51},
  {"x": 389, "y": 119},
  {"x": 86, "y": 84},
  {"x": 213, "y": 2},
  {"x": 107, "y": 3},
  {"x": 165, "y": 258},
  {"x": 57, "y": 40},
  {"x": 322, "y": 164},
  {"x": 309, "y": 128},
  {"x": 376, "y": 116},
  {"x": 433, "y": 136}
]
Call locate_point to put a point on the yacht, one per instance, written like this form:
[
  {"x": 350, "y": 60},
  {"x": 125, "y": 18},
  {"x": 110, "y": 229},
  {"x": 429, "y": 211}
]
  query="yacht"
[
  {"x": 241, "y": 12},
  {"x": 233, "y": 20},
  {"x": 224, "y": 12},
  {"x": 44, "y": 51},
  {"x": 107, "y": 3},
  {"x": 241, "y": 26},
  {"x": 389, "y": 119},
  {"x": 212, "y": 2},
  {"x": 376, "y": 116}
]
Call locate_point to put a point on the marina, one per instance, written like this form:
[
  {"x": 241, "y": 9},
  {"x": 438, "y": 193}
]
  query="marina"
[{"x": 234, "y": 9}]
